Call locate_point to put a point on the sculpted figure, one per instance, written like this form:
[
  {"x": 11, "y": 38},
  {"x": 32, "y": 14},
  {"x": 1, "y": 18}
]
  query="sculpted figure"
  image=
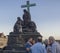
[
  {"x": 26, "y": 16},
  {"x": 28, "y": 25},
  {"x": 18, "y": 25}
]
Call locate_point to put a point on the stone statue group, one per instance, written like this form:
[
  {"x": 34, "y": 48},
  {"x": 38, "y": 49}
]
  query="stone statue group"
[{"x": 25, "y": 25}]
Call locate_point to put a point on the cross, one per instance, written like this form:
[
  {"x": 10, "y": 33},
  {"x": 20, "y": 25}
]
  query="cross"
[{"x": 28, "y": 6}]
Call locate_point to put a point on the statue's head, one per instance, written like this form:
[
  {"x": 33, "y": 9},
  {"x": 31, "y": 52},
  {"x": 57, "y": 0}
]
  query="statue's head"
[
  {"x": 25, "y": 11},
  {"x": 18, "y": 18}
]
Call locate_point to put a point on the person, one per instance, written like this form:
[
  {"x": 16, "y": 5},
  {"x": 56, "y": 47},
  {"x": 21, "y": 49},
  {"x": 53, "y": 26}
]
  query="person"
[
  {"x": 55, "y": 46},
  {"x": 28, "y": 45},
  {"x": 38, "y": 47},
  {"x": 47, "y": 46},
  {"x": 46, "y": 43},
  {"x": 33, "y": 42}
]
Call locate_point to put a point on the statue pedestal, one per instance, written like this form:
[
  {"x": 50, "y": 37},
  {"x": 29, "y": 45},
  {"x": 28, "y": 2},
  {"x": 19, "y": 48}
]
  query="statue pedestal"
[
  {"x": 16, "y": 41},
  {"x": 22, "y": 38}
]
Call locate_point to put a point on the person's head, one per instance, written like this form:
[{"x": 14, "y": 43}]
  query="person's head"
[
  {"x": 33, "y": 42},
  {"x": 39, "y": 39},
  {"x": 51, "y": 39},
  {"x": 46, "y": 42},
  {"x": 30, "y": 39}
]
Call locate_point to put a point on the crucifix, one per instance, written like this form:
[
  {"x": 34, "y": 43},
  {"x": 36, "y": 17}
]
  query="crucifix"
[{"x": 28, "y": 5}]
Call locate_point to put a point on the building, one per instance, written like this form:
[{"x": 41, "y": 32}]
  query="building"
[{"x": 3, "y": 40}]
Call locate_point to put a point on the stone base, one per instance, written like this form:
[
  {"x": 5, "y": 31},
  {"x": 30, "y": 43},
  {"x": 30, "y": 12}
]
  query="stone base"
[
  {"x": 14, "y": 49},
  {"x": 16, "y": 41},
  {"x": 11, "y": 51},
  {"x": 22, "y": 37}
]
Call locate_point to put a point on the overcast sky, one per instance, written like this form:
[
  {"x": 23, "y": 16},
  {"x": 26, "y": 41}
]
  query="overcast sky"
[{"x": 46, "y": 15}]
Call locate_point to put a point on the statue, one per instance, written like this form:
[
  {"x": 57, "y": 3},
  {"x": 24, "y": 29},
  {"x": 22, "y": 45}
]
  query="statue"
[
  {"x": 18, "y": 25},
  {"x": 32, "y": 26},
  {"x": 23, "y": 29},
  {"x": 28, "y": 25},
  {"x": 26, "y": 16},
  {"x": 25, "y": 25}
]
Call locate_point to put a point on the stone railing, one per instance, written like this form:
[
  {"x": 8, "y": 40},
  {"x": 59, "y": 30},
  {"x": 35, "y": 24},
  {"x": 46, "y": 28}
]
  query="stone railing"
[{"x": 9, "y": 51}]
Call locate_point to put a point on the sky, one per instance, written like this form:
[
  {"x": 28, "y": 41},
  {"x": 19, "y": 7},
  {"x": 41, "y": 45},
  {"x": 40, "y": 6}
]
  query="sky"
[{"x": 46, "y": 15}]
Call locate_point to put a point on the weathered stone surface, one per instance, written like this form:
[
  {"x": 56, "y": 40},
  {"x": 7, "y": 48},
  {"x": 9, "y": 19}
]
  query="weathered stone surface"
[
  {"x": 12, "y": 51},
  {"x": 25, "y": 25},
  {"x": 21, "y": 38}
]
